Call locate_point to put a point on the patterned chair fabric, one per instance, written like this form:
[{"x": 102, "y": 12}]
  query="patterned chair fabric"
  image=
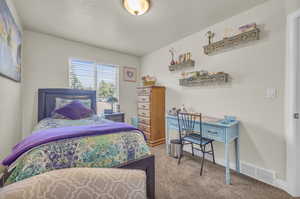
[{"x": 80, "y": 183}]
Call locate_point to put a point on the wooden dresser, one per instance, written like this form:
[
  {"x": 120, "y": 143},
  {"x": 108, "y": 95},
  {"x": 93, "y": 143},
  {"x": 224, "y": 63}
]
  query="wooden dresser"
[{"x": 151, "y": 113}]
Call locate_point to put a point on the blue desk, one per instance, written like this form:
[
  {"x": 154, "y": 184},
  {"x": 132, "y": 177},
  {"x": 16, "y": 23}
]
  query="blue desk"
[{"x": 219, "y": 131}]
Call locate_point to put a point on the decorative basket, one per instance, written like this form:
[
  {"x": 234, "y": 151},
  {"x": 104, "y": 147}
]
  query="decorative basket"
[{"x": 149, "y": 83}]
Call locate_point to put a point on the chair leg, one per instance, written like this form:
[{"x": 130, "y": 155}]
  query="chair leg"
[
  {"x": 192, "y": 149},
  {"x": 213, "y": 152},
  {"x": 202, "y": 162},
  {"x": 181, "y": 154}
]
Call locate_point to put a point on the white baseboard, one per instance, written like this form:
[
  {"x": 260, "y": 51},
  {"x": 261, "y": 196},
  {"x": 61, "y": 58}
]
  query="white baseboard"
[
  {"x": 281, "y": 184},
  {"x": 278, "y": 183}
]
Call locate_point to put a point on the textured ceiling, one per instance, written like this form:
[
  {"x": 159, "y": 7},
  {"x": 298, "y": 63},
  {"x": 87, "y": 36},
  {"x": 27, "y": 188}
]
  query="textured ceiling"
[{"x": 105, "y": 23}]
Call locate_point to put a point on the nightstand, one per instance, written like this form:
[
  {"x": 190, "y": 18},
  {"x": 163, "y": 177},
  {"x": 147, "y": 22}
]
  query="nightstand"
[{"x": 116, "y": 117}]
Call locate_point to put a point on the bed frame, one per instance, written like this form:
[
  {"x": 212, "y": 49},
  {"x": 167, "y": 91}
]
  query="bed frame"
[{"x": 46, "y": 104}]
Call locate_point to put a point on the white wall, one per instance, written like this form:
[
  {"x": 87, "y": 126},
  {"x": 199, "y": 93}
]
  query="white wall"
[
  {"x": 253, "y": 68},
  {"x": 10, "y": 108},
  {"x": 46, "y": 66},
  {"x": 292, "y": 5}
]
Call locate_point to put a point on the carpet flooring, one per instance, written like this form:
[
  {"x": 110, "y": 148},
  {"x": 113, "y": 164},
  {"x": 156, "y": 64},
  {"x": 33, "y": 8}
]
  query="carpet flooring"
[{"x": 184, "y": 181}]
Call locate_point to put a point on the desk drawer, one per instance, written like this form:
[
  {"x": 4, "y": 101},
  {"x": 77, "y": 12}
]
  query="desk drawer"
[
  {"x": 144, "y": 113},
  {"x": 145, "y": 106},
  {"x": 214, "y": 133},
  {"x": 143, "y": 99}
]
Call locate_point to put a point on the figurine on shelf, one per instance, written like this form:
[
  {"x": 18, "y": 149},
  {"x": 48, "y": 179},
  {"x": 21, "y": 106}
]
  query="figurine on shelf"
[
  {"x": 189, "y": 56},
  {"x": 183, "y": 58},
  {"x": 210, "y": 36},
  {"x": 180, "y": 59},
  {"x": 172, "y": 51}
]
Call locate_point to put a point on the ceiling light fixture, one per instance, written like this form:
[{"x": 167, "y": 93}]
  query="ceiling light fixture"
[{"x": 136, "y": 7}]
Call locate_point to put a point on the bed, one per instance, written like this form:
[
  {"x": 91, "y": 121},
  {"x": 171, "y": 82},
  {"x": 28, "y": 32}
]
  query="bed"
[{"x": 126, "y": 149}]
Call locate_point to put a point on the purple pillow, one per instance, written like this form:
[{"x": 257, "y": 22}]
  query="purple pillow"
[{"x": 74, "y": 110}]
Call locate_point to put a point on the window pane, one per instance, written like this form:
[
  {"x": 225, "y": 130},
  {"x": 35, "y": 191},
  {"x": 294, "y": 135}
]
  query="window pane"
[
  {"x": 106, "y": 81},
  {"x": 82, "y": 75}
]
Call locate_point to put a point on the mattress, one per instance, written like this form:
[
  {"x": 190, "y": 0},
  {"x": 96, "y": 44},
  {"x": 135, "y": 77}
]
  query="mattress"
[{"x": 100, "y": 151}]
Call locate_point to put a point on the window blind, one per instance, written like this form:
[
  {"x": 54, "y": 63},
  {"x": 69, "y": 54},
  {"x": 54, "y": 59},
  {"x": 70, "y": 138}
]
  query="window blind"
[{"x": 82, "y": 75}]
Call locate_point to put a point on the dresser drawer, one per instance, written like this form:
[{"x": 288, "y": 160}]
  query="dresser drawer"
[
  {"x": 145, "y": 106},
  {"x": 144, "y": 128},
  {"x": 144, "y": 91},
  {"x": 214, "y": 133},
  {"x": 144, "y": 113},
  {"x": 143, "y": 99},
  {"x": 144, "y": 120}
]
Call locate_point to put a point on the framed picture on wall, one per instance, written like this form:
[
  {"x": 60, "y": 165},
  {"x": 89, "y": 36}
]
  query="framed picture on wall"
[
  {"x": 10, "y": 44},
  {"x": 129, "y": 74}
]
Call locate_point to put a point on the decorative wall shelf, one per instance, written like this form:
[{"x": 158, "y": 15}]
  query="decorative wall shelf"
[
  {"x": 229, "y": 42},
  {"x": 189, "y": 63},
  {"x": 204, "y": 79}
]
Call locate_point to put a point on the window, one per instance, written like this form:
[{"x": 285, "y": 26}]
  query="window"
[{"x": 88, "y": 75}]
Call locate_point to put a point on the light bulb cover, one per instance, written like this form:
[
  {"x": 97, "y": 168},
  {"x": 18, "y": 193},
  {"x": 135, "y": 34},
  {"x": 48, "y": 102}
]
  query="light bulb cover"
[{"x": 136, "y": 7}]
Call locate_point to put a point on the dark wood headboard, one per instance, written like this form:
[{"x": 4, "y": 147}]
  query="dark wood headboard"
[{"x": 46, "y": 99}]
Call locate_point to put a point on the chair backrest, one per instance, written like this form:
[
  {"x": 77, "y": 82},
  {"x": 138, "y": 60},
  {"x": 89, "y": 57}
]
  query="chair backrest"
[{"x": 187, "y": 124}]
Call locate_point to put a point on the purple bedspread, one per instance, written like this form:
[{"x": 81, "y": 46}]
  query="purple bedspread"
[{"x": 55, "y": 134}]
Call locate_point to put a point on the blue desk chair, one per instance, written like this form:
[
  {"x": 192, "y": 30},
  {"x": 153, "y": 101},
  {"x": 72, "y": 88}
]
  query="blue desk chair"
[{"x": 188, "y": 134}]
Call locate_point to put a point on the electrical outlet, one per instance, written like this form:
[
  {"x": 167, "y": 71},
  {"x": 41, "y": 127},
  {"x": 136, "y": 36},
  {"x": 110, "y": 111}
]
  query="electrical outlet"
[{"x": 271, "y": 93}]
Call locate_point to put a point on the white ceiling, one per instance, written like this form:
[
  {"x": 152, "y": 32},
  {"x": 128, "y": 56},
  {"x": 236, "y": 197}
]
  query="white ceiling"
[{"x": 105, "y": 23}]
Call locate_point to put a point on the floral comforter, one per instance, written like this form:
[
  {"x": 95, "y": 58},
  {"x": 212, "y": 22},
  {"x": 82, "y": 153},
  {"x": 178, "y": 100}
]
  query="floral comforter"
[{"x": 108, "y": 150}]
